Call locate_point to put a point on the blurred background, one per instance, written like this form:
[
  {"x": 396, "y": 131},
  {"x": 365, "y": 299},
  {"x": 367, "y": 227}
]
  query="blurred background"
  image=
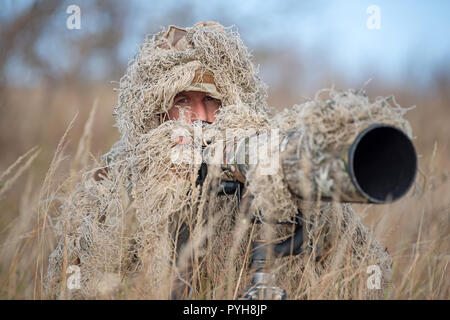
[{"x": 50, "y": 71}]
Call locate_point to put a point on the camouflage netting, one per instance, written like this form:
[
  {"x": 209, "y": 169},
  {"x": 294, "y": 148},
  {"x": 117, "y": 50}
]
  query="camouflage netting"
[{"x": 139, "y": 226}]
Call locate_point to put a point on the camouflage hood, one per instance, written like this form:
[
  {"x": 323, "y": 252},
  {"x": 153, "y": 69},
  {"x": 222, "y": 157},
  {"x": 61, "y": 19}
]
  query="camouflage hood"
[{"x": 207, "y": 57}]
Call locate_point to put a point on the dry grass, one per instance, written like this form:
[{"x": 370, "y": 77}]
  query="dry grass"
[{"x": 415, "y": 229}]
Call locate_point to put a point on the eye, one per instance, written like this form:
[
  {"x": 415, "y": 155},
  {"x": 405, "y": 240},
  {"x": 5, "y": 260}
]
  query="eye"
[
  {"x": 214, "y": 101},
  {"x": 181, "y": 100}
]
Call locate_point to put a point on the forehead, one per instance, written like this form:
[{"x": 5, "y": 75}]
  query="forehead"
[{"x": 190, "y": 93}]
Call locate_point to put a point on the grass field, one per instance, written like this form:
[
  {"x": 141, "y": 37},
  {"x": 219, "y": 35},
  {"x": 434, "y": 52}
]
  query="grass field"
[{"x": 416, "y": 229}]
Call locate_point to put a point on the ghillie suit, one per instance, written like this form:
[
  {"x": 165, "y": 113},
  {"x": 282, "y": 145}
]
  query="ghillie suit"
[{"x": 143, "y": 227}]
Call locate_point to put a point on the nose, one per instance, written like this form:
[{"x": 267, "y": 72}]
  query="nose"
[{"x": 198, "y": 110}]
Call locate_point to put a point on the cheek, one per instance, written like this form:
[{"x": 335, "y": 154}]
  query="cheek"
[
  {"x": 215, "y": 109},
  {"x": 212, "y": 106},
  {"x": 173, "y": 113},
  {"x": 211, "y": 113}
]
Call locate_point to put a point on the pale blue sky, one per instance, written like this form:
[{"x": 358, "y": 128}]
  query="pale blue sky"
[{"x": 413, "y": 42}]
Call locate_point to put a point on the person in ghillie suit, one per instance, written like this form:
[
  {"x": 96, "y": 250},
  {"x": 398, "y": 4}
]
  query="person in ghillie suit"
[{"x": 139, "y": 225}]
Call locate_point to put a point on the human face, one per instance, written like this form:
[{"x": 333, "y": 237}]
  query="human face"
[{"x": 197, "y": 105}]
